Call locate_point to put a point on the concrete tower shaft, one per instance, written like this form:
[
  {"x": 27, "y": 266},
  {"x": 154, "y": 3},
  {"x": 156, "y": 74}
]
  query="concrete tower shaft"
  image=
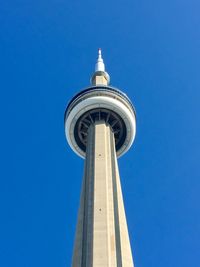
[{"x": 102, "y": 235}]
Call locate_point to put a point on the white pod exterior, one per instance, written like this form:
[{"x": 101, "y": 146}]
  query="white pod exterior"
[{"x": 100, "y": 102}]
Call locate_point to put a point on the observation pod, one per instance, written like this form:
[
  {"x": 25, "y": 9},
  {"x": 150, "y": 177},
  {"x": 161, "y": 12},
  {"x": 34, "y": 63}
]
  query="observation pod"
[{"x": 96, "y": 103}]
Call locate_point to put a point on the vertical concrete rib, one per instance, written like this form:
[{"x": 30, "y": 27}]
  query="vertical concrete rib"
[
  {"x": 102, "y": 235},
  {"x": 82, "y": 255},
  {"x": 123, "y": 248}
]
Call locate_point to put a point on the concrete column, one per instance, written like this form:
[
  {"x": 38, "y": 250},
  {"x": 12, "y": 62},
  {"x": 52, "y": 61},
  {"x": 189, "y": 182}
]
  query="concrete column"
[
  {"x": 99, "y": 80},
  {"x": 101, "y": 236}
]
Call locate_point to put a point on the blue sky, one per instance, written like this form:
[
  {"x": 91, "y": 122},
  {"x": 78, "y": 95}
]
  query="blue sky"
[{"x": 47, "y": 54}]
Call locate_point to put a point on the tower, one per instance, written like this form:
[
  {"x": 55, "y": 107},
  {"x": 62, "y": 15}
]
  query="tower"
[{"x": 100, "y": 126}]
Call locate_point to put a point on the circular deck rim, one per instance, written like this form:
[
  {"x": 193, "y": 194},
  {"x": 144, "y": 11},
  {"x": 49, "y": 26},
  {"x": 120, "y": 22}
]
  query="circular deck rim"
[
  {"x": 98, "y": 88},
  {"x": 104, "y": 97}
]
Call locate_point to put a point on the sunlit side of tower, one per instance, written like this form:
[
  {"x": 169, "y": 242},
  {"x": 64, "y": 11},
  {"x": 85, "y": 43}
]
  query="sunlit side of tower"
[{"x": 100, "y": 126}]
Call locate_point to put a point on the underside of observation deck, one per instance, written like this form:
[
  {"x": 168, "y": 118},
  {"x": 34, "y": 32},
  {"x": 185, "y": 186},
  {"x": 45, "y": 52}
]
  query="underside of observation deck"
[{"x": 109, "y": 117}]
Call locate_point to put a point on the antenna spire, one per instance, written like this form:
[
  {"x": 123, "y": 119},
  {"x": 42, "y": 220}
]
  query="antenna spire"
[
  {"x": 100, "y": 76},
  {"x": 100, "y": 64}
]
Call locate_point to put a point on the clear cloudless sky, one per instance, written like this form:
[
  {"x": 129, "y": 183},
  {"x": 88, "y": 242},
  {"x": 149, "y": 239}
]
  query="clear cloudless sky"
[{"x": 48, "y": 49}]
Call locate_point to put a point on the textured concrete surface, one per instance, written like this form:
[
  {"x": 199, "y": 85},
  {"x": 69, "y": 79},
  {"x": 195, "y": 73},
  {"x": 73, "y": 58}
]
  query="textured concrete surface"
[
  {"x": 100, "y": 80},
  {"x": 101, "y": 236}
]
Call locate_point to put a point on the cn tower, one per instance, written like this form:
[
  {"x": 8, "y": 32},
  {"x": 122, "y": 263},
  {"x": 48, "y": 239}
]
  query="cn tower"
[{"x": 100, "y": 126}]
